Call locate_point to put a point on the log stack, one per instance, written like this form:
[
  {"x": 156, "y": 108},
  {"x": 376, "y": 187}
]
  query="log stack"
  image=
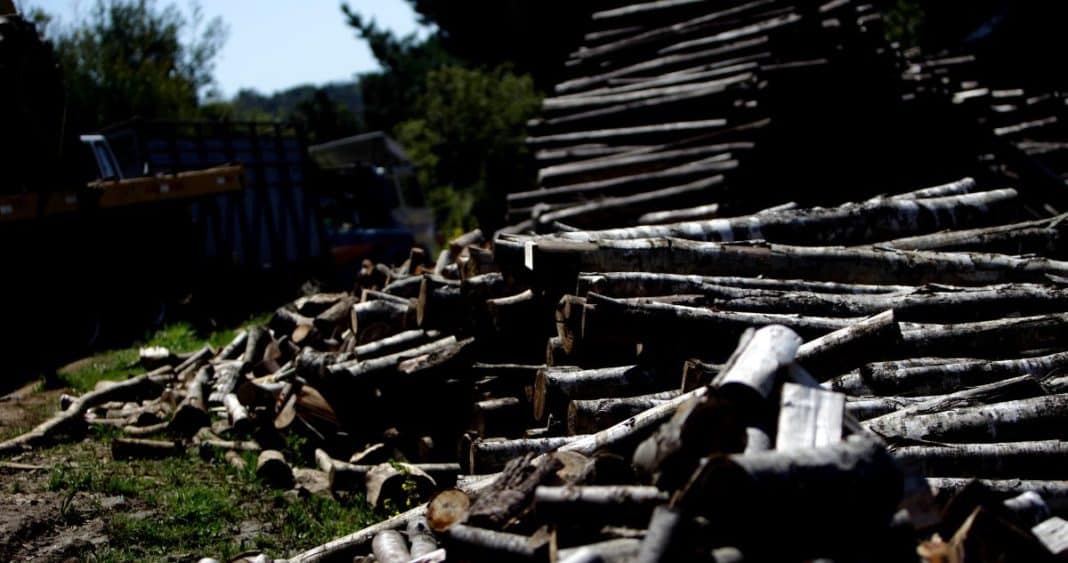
[{"x": 669, "y": 356}]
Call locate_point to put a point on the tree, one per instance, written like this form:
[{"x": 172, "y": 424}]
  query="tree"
[
  {"x": 467, "y": 138},
  {"x": 135, "y": 58}
]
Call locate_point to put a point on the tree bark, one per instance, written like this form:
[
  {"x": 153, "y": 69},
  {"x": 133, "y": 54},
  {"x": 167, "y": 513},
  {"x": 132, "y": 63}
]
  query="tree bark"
[
  {"x": 272, "y": 468},
  {"x": 508, "y": 497},
  {"x": 489, "y": 456},
  {"x": 850, "y": 347},
  {"x": 192, "y": 414},
  {"x": 479, "y": 544},
  {"x": 1043, "y": 236},
  {"x": 227, "y": 377},
  {"x": 695, "y": 213},
  {"x": 237, "y": 414},
  {"x": 986, "y": 338},
  {"x": 555, "y": 387},
  {"x": 359, "y": 370},
  {"x": 647, "y": 284},
  {"x": 378, "y": 319},
  {"x": 582, "y": 505},
  {"x": 610, "y": 551}
]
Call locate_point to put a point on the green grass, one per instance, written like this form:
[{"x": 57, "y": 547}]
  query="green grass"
[
  {"x": 197, "y": 507},
  {"x": 120, "y": 364}
]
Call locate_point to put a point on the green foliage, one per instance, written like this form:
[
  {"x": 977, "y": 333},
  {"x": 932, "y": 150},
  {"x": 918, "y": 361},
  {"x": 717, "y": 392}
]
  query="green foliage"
[
  {"x": 904, "y": 22},
  {"x": 132, "y": 57},
  {"x": 467, "y": 138},
  {"x": 389, "y": 95}
]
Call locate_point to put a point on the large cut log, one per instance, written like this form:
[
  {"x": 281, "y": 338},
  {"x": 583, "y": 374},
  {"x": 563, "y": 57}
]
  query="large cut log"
[
  {"x": 853, "y": 487},
  {"x": 272, "y": 468},
  {"x": 618, "y": 550},
  {"x": 71, "y": 421},
  {"x": 1025, "y": 419},
  {"x": 850, "y": 265},
  {"x": 503, "y": 416},
  {"x": 847, "y": 224},
  {"x": 237, "y": 414},
  {"x": 1022, "y": 460},
  {"x": 893, "y": 378},
  {"x": 598, "y": 505}
]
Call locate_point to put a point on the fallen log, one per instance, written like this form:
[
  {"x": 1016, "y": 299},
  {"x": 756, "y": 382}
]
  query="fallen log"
[
  {"x": 509, "y": 495},
  {"x": 849, "y": 347},
  {"x": 895, "y": 378},
  {"x": 1043, "y": 236},
  {"x": 675, "y": 215},
  {"x": 192, "y": 414},
  {"x": 984, "y": 338},
  {"x": 649, "y": 284},
  {"x": 71, "y": 421},
  {"x": 1017, "y": 460},
  {"x": 272, "y": 468},
  {"x": 850, "y": 265},
  {"x": 503, "y": 416},
  {"x": 846, "y": 224},
  {"x": 1025, "y": 419}
]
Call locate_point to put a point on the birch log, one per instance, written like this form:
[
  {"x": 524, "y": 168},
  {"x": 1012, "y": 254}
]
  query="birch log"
[
  {"x": 893, "y": 378},
  {"x": 1019, "y": 460},
  {"x": 1025, "y": 419},
  {"x": 389, "y": 547},
  {"x": 593, "y": 415}
]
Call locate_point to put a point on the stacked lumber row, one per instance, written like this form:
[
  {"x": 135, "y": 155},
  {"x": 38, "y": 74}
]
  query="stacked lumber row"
[
  {"x": 673, "y": 104},
  {"x": 1025, "y": 124}
]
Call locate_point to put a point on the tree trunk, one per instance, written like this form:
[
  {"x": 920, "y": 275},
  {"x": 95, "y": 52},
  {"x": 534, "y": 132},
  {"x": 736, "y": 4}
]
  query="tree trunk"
[
  {"x": 1043, "y": 236},
  {"x": 850, "y": 347},
  {"x": 272, "y": 468},
  {"x": 986, "y": 337},
  {"x": 509, "y": 496},
  {"x": 237, "y": 414},
  {"x": 555, "y": 387},
  {"x": 489, "y": 456}
]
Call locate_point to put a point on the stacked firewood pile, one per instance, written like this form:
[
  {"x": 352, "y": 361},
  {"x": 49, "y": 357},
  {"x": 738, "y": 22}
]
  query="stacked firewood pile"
[{"x": 659, "y": 361}]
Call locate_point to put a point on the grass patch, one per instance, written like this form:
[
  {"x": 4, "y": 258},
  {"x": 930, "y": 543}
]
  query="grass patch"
[
  {"x": 204, "y": 508},
  {"x": 179, "y": 338}
]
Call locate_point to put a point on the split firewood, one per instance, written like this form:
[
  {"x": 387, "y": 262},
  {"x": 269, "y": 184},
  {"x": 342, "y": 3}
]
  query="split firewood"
[
  {"x": 389, "y": 547},
  {"x": 71, "y": 421},
  {"x": 809, "y": 418},
  {"x": 397, "y": 484},
  {"x": 136, "y": 448},
  {"x": 272, "y": 468}
]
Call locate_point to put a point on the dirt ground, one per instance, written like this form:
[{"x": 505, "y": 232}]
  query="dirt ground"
[{"x": 37, "y": 524}]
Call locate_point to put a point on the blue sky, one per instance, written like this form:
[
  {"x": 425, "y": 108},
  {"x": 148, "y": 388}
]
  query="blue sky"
[{"x": 274, "y": 44}]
